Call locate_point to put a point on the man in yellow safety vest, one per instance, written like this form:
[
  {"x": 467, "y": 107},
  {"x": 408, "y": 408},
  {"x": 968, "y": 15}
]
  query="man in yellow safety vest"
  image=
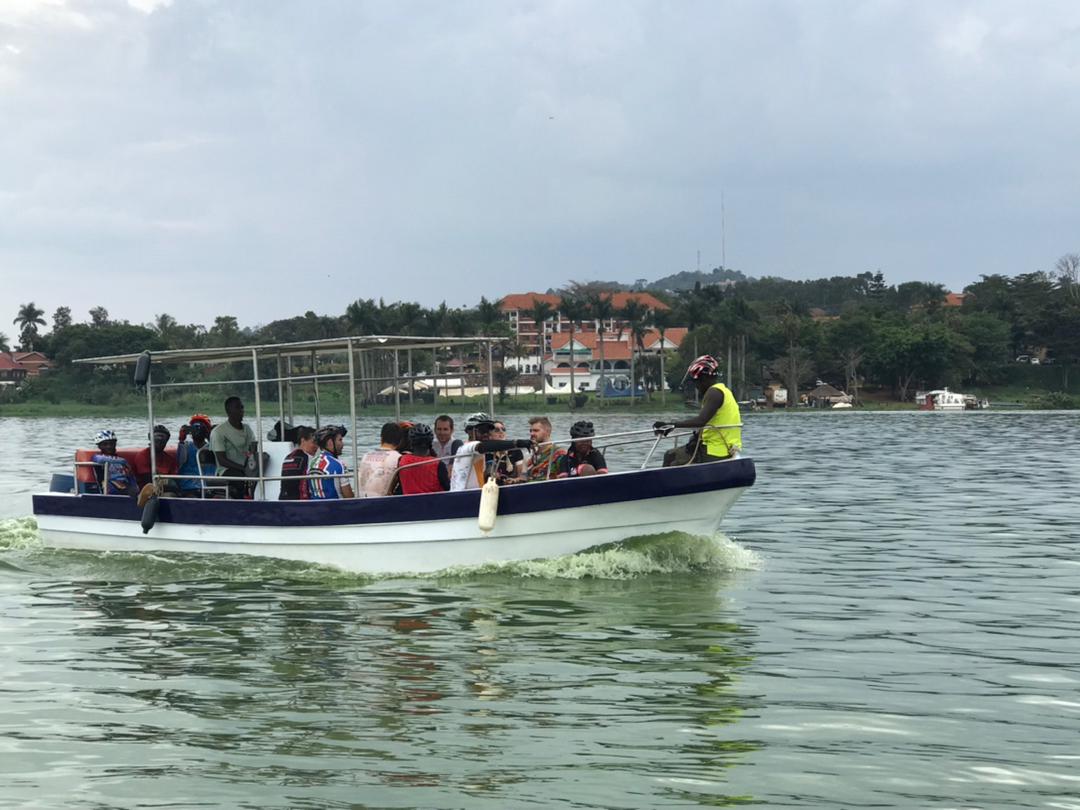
[{"x": 718, "y": 420}]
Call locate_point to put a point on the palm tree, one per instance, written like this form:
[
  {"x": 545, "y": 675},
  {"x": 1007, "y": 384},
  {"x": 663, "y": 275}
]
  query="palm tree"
[
  {"x": 460, "y": 323},
  {"x": 601, "y": 309},
  {"x": 540, "y": 311},
  {"x": 362, "y": 317},
  {"x": 4, "y": 345},
  {"x": 662, "y": 321},
  {"x": 224, "y": 331},
  {"x": 437, "y": 319},
  {"x": 575, "y": 310},
  {"x": 634, "y": 313},
  {"x": 489, "y": 316},
  {"x": 28, "y": 320},
  {"x": 165, "y": 325}
]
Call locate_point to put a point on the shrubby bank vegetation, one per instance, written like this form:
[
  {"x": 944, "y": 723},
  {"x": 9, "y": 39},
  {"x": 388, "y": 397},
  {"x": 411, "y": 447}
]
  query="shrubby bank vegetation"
[{"x": 878, "y": 341}]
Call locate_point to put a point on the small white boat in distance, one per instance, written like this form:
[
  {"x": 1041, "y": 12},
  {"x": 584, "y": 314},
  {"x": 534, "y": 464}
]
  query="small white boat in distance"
[
  {"x": 393, "y": 534},
  {"x": 945, "y": 400}
]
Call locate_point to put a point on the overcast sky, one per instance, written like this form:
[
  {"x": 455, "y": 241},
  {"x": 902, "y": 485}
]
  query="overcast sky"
[{"x": 259, "y": 159}]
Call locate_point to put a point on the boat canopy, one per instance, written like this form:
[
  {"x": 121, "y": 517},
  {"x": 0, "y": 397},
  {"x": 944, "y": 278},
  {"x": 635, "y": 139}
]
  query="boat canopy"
[{"x": 304, "y": 348}]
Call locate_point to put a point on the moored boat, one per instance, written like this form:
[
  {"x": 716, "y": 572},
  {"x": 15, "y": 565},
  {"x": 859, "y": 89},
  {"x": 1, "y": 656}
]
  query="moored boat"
[
  {"x": 392, "y": 534},
  {"x": 945, "y": 400}
]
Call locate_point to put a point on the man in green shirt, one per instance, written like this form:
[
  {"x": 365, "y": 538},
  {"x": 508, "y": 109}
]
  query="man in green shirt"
[{"x": 235, "y": 448}]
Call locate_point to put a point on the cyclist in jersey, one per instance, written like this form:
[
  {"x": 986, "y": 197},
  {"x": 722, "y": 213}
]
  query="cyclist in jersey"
[
  {"x": 719, "y": 421},
  {"x": 582, "y": 458},
  {"x": 468, "y": 470},
  {"x": 324, "y": 485},
  {"x": 294, "y": 469},
  {"x": 116, "y": 475},
  {"x": 377, "y": 468},
  {"x": 419, "y": 469}
]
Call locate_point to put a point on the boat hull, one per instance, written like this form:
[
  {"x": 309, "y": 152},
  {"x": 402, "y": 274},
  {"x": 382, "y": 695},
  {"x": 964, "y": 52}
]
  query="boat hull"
[{"x": 416, "y": 533}]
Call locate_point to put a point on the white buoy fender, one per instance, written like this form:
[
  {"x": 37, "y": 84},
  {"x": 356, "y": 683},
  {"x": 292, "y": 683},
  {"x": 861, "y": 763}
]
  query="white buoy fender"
[{"x": 489, "y": 505}]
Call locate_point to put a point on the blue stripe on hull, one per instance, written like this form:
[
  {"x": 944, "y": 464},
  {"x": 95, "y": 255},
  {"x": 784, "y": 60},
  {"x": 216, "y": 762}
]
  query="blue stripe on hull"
[{"x": 521, "y": 499}]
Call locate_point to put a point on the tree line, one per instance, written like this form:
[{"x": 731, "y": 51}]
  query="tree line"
[{"x": 854, "y": 331}]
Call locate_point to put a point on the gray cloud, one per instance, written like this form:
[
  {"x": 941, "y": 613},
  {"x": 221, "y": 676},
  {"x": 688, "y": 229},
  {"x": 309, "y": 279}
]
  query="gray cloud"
[{"x": 260, "y": 159}]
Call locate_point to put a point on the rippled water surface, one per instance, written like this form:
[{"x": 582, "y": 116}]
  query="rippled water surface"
[{"x": 890, "y": 621}]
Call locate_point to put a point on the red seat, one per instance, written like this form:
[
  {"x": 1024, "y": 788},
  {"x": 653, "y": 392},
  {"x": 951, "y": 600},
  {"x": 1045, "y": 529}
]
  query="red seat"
[{"x": 86, "y": 474}]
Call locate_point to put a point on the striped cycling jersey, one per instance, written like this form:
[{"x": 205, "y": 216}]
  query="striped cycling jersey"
[{"x": 325, "y": 464}]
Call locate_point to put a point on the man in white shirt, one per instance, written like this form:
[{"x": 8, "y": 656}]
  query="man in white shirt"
[
  {"x": 445, "y": 445},
  {"x": 377, "y": 468},
  {"x": 468, "y": 469}
]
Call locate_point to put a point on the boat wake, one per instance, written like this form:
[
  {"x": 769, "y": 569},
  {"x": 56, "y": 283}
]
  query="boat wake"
[
  {"x": 669, "y": 553},
  {"x": 22, "y": 550}
]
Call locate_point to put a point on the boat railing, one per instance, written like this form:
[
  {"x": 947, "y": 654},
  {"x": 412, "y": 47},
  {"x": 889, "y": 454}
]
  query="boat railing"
[{"x": 604, "y": 441}]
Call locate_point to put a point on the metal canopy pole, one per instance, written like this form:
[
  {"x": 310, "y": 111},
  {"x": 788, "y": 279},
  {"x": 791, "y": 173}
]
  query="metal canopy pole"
[
  {"x": 258, "y": 421},
  {"x": 435, "y": 376},
  {"x": 491, "y": 383},
  {"x": 281, "y": 402},
  {"x": 352, "y": 415},
  {"x": 408, "y": 361},
  {"x": 315, "y": 382},
  {"x": 289, "y": 388},
  {"x": 397, "y": 389},
  {"x": 150, "y": 432}
]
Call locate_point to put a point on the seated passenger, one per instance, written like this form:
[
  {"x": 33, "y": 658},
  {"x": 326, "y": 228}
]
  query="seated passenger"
[
  {"x": 543, "y": 464},
  {"x": 582, "y": 458},
  {"x": 470, "y": 426},
  {"x": 235, "y": 448},
  {"x": 295, "y": 466},
  {"x": 445, "y": 445},
  {"x": 115, "y": 473},
  {"x": 193, "y": 455},
  {"x": 327, "y": 465},
  {"x": 164, "y": 462},
  {"x": 377, "y": 468},
  {"x": 403, "y": 445},
  {"x": 426, "y": 473},
  {"x": 718, "y": 422},
  {"x": 508, "y": 466},
  {"x": 468, "y": 470}
]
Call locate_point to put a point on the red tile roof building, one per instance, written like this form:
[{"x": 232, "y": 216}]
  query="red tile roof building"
[
  {"x": 516, "y": 306},
  {"x": 12, "y": 372},
  {"x": 33, "y": 362}
]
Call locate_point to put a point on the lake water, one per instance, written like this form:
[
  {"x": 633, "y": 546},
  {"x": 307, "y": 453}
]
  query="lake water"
[{"x": 892, "y": 620}]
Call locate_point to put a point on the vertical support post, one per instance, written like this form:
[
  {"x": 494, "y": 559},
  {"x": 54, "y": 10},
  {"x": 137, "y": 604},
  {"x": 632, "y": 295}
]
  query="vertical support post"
[
  {"x": 397, "y": 389},
  {"x": 289, "y": 388},
  {"x": 352, "y": 415},
  {"x": 280, "y": 400},
  {"x": 258, "y": 422},
  {"x": 150, "y": 433},
  {"x": 315, "y": 383},
  {"x": 435, "y": 376},
  {"x": 663, "y": 379},
  {"x": 491, "y": 383},
  {"x": 408, "y": 363}
]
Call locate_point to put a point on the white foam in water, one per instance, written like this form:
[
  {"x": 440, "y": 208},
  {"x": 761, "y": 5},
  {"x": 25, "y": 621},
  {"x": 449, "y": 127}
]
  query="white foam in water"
[
  {"x": 19, "y": 533},
  {"x": 671, "y": 553}
]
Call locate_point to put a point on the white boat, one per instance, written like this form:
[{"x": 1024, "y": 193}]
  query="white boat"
[
  {"x": 396, "y": 534},
  {"x": 945, "y": 400}
]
